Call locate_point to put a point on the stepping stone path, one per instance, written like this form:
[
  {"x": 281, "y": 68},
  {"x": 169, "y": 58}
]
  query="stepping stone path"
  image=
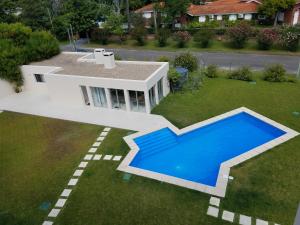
[
  {"x": 77, "y": 174},
  {"x": 261, "y": 222},
  {"x": 245, "y": 220},
  {"x": 213, "y": 211},
  {"x": 228, "y": 216},
  {"x": 214, "y": 201}
]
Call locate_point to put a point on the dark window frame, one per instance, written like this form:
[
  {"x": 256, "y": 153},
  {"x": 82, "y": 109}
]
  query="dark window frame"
[{"x": 39, "y": 78}]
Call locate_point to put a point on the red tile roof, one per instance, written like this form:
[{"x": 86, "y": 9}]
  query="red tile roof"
[
  {"x": 224, "y": 7},
  {"x": 148, "y": 8}
]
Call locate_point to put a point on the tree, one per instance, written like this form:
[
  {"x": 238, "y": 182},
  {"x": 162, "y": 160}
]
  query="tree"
[
  {"x": 274, "y": 7},
  {"x": 8, "y": 10},
  {"x": 174, "y": 9}
]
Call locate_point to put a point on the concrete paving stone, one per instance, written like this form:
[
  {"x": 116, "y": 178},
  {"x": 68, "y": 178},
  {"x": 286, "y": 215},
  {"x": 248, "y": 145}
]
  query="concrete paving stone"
[
  {"x": 100, "y": 138},
  {"x": 83, "y": 164},
  {"x": 97, "y": 157},
  {"x": 66, "y": 192},
  {"x": 47, "y": 222},
  {"x": 96, "y": 144},
  {"x": 245, "y": 220},
  {"x": 54, "y": 213},
  {"x": 103, "y": 134},
  {"x": 261, "y": 222},
  {"x": 228, "y": 216},
  {"x": 214, "y": 201},
  {"x": 117, "y": 158},
  {"x": 60, "y": 202},
  {"x": 107, "y": 157},
  {"x": 88, "y": 157},
  {"x": 92, "y": 150},
  {"x": 213, "y": 211},
  {"x": 78, "y": 173},
  {"x": 73, "y": 182},
  {"x": 106, "y": 129}
]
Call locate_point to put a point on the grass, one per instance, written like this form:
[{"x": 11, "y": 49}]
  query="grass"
[
  {"x": 38, "y": 156},
  {"x": 215, "y": 46},
  {"x": 268, "y": 186}
]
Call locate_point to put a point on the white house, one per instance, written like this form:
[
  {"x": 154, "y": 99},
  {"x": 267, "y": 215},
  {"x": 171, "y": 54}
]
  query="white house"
[{"x": 96, "y": 80}]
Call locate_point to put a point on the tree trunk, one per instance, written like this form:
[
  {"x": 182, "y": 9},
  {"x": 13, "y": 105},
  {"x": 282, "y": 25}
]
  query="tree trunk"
[
  {"x": 155, "y": 20},
  {"x": 276, "y": 18},
  {"x": 128, "y": 15}
]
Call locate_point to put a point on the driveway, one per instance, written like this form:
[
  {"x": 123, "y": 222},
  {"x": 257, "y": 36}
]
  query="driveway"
[{"x": 224, "y": 60}]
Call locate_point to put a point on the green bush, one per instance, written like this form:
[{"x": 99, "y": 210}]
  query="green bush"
[
  {"x": 16, "y": 32},
  {"x": 244, "y": 73},
  {"x": 274, "y": 73},
  {"x": 211, "y": 71},
  {"x": 162, "y": 37},
  {"x": 239, "y": 34},
  {"x": 41, "y": 45},
  {"x": 289, "y": 38},
  {"x": 163, "y": 59},
  {"x": 139, "y": 34},
  {"x": 182, "y": 38},
  {"x": 173, "y": 77},
  {"x": 203, "y": 37},
  {"x": 266, "y": 37},
  {"x": 186, "y": 60}
]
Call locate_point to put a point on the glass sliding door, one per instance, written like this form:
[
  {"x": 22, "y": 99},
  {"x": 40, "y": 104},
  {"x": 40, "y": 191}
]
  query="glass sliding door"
[
  {"x": 152, "y": 97},
  {"x": 117, "y": 99},
  {"x": 137, "y": 101},
  {"x": 85, "y": 95},
  {"x": 160, "y": 89},
  {"x": 99, "y": 97}
]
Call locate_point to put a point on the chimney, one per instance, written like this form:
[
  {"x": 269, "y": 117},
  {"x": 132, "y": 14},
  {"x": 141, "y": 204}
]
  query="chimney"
[{"x": 105, "y": 58}]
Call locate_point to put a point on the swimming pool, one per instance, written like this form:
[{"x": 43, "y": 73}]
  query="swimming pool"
[{"x": 196, "y": 155}]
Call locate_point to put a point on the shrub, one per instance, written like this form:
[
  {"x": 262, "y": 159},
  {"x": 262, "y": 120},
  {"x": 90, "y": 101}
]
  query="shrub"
[
  {"x": 211, "y": 71},
  {"x": 118, "y": 57},
  {"x": 203, "y": 37},
  {"x": 41, "y": 45},
  {"x": 289, "y": 38},
  {"x": 17, "y": 32},
  {"x": 266, "y": 37},
  {"x": 181, "y": 37},
  {"x": 244, "y": 73},
  {"x": 162, "y": 37},
  {"x": 101, "y": 35},
  {"x": 139, "y": 34},
  {"x": 274, "y": 73},
  {"x": 186, "y": 60},
  {"x": 163, "y": 59},
  {"x": 173, "y": 77},
  {"x": 239, "y": 34}
]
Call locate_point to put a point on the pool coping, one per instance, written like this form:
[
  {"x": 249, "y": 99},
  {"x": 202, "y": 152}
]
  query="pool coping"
[{"x": 222, "y": 180}]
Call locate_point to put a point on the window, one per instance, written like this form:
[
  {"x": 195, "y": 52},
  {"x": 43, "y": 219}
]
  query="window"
[
  {"x": 99, "y": 97},
  {"x": 85, "y": 95},
  {"x": 219, "y": 17},
  {"x": 137, "y": 101},
  {"x": 39, "y": 78},
  {"x": 232, "y": 17},
  {"x": 152, "y": 97},
  {"x": 202, "y": 19},
  {"x": 160, "y": 89},
  {"x": 117, "y": 99}
]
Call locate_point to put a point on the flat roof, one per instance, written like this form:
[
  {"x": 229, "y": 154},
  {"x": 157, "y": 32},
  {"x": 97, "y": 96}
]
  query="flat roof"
[{"x": 123, "y": 70}]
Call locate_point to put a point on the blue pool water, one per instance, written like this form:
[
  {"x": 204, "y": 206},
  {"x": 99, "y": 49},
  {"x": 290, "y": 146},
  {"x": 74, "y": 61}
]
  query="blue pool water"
[{"x": 197, "y": 155}]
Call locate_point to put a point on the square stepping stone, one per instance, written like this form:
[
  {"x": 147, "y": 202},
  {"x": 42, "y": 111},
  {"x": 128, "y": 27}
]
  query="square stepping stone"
[
  {"x": 92, "y": 150},
  {"x": 83, "y": 164},
  {"x": 100, "y": 138},
  {"x": 117, "y": 158},
  {"x": 245, "y": 220},
  {"x": 261, "y": 222},
  {"x": 213, "y": 211},
  {"x": 78, "y": 173},
  {"x": 47, "y": 223},
  {"x": 54, "y": 213},
  {"x": 88, "y": 157},
  {"x": 96, "y": 144},
  {"x": 214, "y": 201},
  {"x": 103, "y": 134},
  {"x": 228, "y": 216},
  {"x": 60, "y": 202},
  {"x": 97, "y": 157},
  {"x": 106, "y": 129},
  {"x": 73, "y": 182},
  {"x": 107, "y": 157},
  {"x": 66, "y": 192}
]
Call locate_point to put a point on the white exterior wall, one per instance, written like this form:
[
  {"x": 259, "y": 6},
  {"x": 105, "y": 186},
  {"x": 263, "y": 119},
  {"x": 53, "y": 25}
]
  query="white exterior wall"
[{"x": 5, "y": 88}]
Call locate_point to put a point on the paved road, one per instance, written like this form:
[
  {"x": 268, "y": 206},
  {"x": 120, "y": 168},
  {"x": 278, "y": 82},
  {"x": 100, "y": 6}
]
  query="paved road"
[{"x": 225, "y": 60}]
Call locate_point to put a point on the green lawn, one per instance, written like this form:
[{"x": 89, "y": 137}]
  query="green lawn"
[
  {"x": 38, "y": 156},
  {"x": 216, "y": 46},
  {"x": 269, "y": 185}
]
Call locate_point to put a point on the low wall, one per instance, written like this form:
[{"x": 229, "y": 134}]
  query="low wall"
[{"x": 5, "y": 89}]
